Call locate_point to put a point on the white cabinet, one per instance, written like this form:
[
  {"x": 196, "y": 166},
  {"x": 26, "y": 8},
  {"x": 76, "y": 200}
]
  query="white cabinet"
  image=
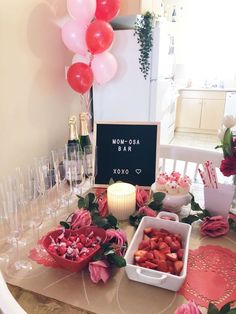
[{"x": 200, "y": 111}]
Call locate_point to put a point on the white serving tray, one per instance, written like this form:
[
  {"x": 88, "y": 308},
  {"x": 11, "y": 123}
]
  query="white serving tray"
[{"x": 154, "y": 277}]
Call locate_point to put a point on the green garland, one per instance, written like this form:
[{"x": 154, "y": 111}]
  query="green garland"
[{"x": 143, "y": 30}]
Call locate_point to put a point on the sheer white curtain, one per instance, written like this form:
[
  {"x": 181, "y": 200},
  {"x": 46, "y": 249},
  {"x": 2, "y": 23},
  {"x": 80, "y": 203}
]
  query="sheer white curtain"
[{"x": 210, "y": 38}]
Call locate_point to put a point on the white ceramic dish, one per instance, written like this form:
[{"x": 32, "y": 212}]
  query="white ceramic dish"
[
  {"x": 154, "y": 277},
  {"x": 173, "y": 202}
]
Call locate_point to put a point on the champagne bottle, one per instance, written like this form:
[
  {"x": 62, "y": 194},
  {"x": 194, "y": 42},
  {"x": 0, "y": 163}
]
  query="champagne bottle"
[
  {"x": 73, "y": 151},
  {"x": 73, "y": 143},
  {"x": 84, "y": 134}
]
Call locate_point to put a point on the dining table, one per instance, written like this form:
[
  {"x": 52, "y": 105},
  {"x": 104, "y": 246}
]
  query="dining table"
[{"x": 46, "y": 289}]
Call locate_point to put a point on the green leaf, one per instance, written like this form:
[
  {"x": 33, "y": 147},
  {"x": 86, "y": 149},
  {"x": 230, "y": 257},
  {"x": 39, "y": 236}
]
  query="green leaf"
[
  {"x": 112, "y": 220},
  {"x": 233, "y": 311},
  {"x": 158, "y": 197},
  {"x": 225, "y": 309},
  {"x": 190, "y": 219},
  {"x": 135, "y": 220},
  {"x": 195, "y": 206},
  {"x": 118, "y": 260},
  {"x": 227, "y": 143},
  {"x": 212, "y": 309},
  {"x": 81, "y": 203},
  {"x": 232, "y": 224},
  {"x": 153, "y": 205},
  {"x": 86, "y": 201},
  {"x": 65, "y": 224},
  {"x": 98, "y": 256},
  {"x": 91, "y": 197}
]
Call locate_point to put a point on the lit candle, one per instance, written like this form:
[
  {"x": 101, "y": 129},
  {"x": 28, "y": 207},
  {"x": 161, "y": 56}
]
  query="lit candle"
[{"x": 121, "y": 198}]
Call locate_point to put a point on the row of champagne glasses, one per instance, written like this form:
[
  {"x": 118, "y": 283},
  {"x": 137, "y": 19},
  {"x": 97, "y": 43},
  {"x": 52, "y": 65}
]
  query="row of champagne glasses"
[{"x": 35, "y": 194}]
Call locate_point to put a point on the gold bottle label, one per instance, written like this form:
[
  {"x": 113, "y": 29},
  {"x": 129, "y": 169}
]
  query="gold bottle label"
[
  {"x": 83, "y": 124},
  {"x": 73, "y": 132}
]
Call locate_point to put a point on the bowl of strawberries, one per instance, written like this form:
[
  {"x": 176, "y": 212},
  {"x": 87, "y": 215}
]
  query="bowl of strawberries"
[
  {"x": 158, "y": 252},
  {"x": 74, "y": 249}
]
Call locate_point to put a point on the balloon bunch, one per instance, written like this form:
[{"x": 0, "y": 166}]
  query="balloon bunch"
[{"x": 89, "y": 35}]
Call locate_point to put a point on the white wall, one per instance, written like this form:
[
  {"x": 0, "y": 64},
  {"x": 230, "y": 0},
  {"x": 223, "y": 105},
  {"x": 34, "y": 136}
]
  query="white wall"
[{"x": 35, "y": 100}]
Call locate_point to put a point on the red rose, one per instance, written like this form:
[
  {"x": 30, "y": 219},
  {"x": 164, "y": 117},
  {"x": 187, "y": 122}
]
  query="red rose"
[
  {"x": 215, "y": 226},
  {"x": 228, "y": 166},
  {"x": 147, "y": 211},
  {"x": 102, "y": 206},
  {"x": 141, "y": 197}
]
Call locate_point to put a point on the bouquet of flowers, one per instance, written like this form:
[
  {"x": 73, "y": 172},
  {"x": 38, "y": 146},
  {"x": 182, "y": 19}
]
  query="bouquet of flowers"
[
  {"x": 92, "y": 210},
  {"x": 228, "y": 145}
]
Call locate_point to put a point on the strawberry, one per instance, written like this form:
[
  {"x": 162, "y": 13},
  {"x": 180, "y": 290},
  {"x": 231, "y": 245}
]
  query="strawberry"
[
  {"x": 140, "y": 259},
  {"x": 172, "y": 257},
  {"x": 140, "y": 253},
  {"x": 150, "y": 255},
  {"x": 144, "y": 245},
  {"x": 162, "y": 245},
  {"x": 164, "y": 231},
  {"x": 162, "y": 266},
  {"x": 147, "y": 230},
  {"x": 178, "y": 237},
  {"x": 145, "y": 237},
  {"x": 61, "y": 250},
  {"x": 153, "y": 244},
  {"x": 175, "y": 246},
  {"x": 150, "y": 265},
  {"x": 168, "y": 240},
  {"x": 178, "y": 266},
  {"x": 159, "y": 255},
  {"x": 180, "y": 254},
  {"x": 166, "y": 250}
]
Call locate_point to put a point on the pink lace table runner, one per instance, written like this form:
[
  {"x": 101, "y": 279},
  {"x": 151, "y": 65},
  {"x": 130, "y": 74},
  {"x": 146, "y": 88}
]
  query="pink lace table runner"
[{"x": 211, "y": 276}]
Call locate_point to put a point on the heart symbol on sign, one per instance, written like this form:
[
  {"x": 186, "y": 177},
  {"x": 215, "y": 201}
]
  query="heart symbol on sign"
[{"x": 138, "y": 171}]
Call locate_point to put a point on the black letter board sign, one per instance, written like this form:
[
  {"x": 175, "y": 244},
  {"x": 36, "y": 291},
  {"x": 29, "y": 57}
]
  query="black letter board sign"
[{"x": 127, "y": 152}]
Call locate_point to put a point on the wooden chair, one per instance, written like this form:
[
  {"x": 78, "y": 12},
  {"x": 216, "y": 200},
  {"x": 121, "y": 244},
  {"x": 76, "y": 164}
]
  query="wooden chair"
[
  {"x": 8, "y": 305},
  {"x": 186, "y": 159}
]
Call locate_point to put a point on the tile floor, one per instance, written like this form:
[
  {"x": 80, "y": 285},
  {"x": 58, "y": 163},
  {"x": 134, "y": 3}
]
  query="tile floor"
[{"x": 204, "y": 141}]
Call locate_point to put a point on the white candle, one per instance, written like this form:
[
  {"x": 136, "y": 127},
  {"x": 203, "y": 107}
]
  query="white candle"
[{"x": 121, "y": 198}]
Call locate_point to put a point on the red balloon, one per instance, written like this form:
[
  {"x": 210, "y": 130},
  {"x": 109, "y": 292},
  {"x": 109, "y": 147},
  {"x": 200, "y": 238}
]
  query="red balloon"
[
  {"x": 99, "y": 36},
  {"x": 80, "y": 77},
  {"x": 107, "y": 9}
]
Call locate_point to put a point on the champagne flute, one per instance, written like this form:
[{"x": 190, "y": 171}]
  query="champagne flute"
[
  {"x": 75, "y": 168},
  {"x": 4, "y": 257},
  {"x": 90, "y": 159}
]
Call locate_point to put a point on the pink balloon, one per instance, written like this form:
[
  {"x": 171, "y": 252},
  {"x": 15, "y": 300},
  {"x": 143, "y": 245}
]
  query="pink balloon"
[
  {"x": 82, "y": 10},
  {"x": 73, "y": 36},
  {"x": 104, "y": 67}
]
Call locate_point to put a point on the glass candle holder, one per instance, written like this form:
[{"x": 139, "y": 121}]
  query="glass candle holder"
[{"x": 121, "y": 198}]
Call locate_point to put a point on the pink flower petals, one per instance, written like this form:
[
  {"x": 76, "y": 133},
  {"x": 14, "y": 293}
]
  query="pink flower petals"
[{"x": 99, "y": 270}]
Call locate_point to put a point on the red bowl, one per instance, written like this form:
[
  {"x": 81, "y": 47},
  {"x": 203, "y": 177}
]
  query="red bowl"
[{"x": 73, "y": 266}]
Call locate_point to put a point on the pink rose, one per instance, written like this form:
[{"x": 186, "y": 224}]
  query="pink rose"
[
  {"x": 141, "y": 197},
  {"x": 118, "y": 238},
  {"x": 118, "y": 234},
  {"x": 188, "y": 308},
  {"x": 147, "y": 211},
  {"x": 81, "y": 218},
  {"x": 99, "y": 270},
  {"x": 102, "y": 206},
  {"x": 215, "y": 226}
]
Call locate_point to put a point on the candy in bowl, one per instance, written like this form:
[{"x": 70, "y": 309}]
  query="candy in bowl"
[{"x": 74, "y": 249}]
